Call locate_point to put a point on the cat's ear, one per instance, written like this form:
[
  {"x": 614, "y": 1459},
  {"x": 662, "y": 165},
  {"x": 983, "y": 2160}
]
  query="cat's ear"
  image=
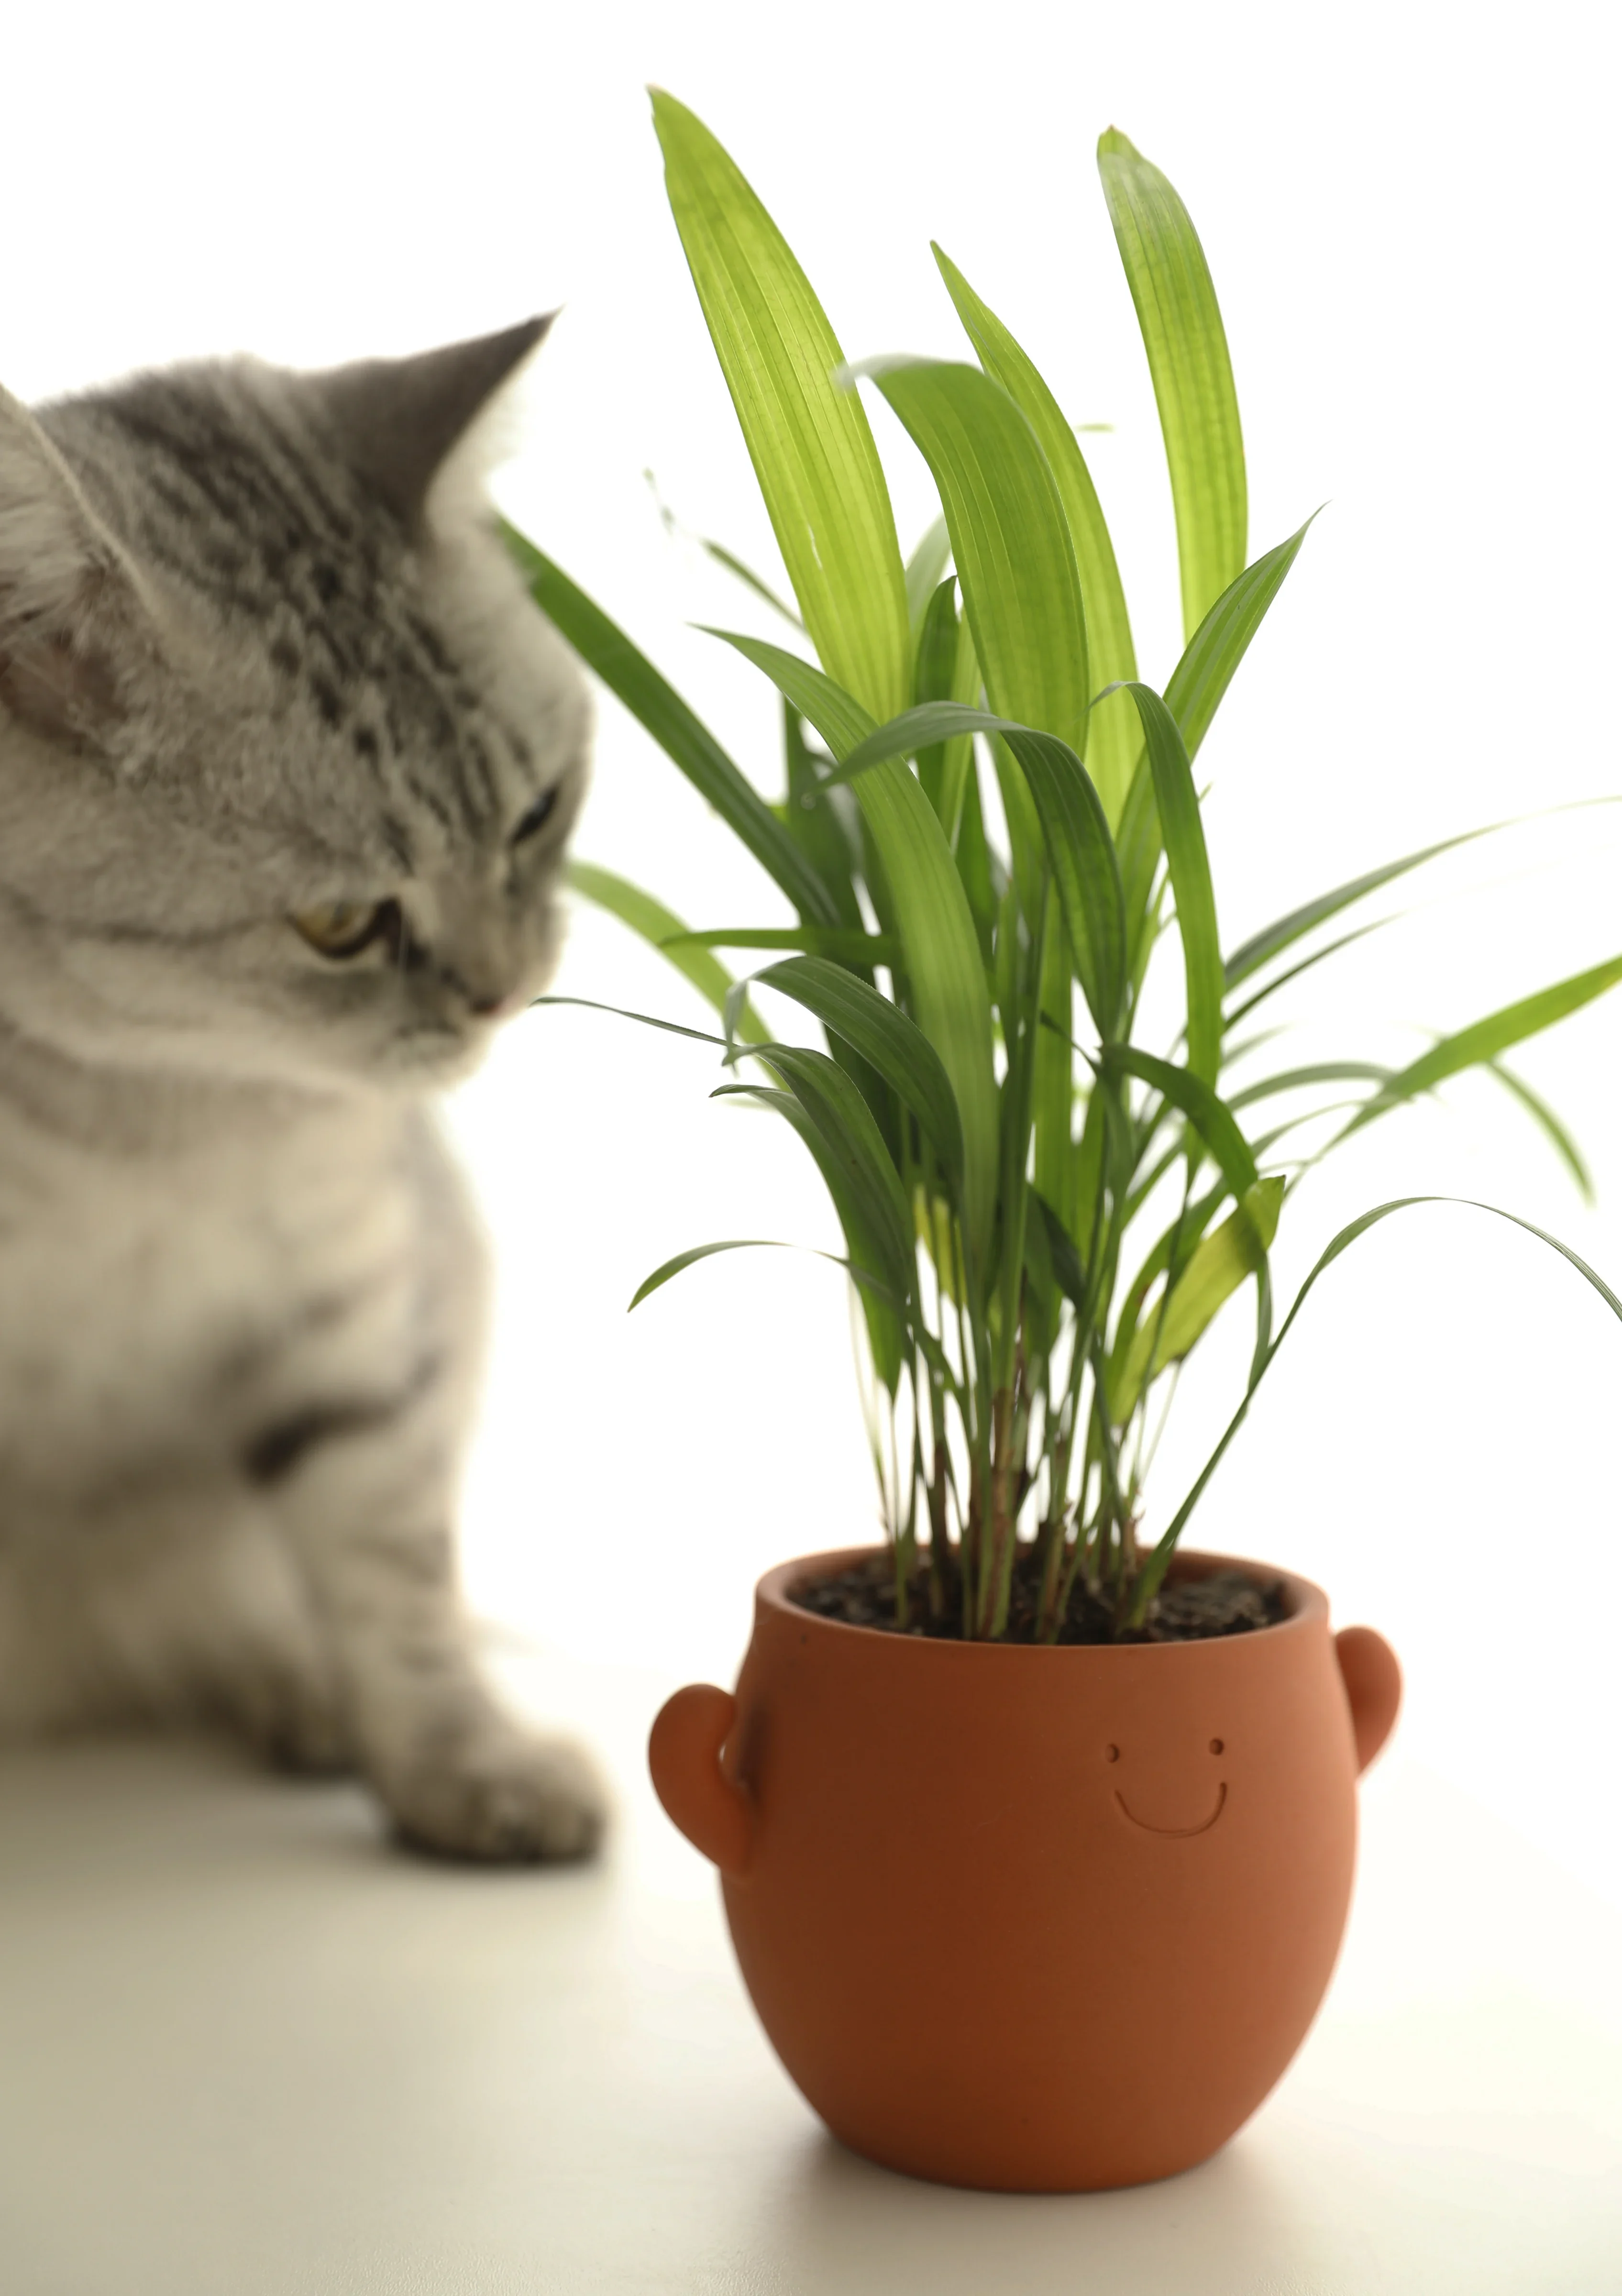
[
  {"x": 69, "y": 609},
  {"x": 398, "y": 420}
]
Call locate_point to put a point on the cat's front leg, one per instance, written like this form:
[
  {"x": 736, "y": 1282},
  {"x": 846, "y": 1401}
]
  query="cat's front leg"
[{"x": 368, "y": 1504}]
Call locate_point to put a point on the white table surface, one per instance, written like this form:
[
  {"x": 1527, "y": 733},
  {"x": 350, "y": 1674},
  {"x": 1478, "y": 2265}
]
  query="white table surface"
[{"x": 247, "y": 2050}]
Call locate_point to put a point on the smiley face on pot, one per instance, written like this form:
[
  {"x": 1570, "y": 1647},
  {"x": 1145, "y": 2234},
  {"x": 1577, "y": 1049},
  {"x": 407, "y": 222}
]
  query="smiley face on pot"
[{"x": 1175, "y": 1807}]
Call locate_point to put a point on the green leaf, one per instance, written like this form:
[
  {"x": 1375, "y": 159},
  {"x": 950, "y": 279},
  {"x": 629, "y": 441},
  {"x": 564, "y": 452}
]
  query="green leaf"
[
  {"x": 1188, "y": 362},
  {"x": 884, "y": 1327},
  {"x": 827, "y": 837},
  {"x": 662, "y": 927},
  {"x": 1192, "y": 693},
  {"x": 1137, "y": 845},
  {"x": 1215, "y": 1271},
  {"x": 1239, "y": 1048},
  {"x": 924, "y": 571},
  {"x": 662, "y": 1275},
  {"x": 946, "y": 976},
  {"x": 935, "y": 671},
  {"x": 869, "y": 1186},
  {"x": 1026, "y": 847},
  {"x": 1484, "y": 1039},
  {"x": 957, "y": 771},
  {"x": 1253, "y": 953},
  {"x": 864, "y": 1226},
  {"x": 832, "y": 833},
  {"x": 1007, "y": 979},
  {"x": 934, "y": 677},
  {"x": 1080, "y": 854},
  {"x": 1543, "y": 1115},
  {"x": 1180, "y": 1237},
  {"x": 1314, "y": 1072},
  {"x": 945, "y": 980},
  {"x": 976, "y": 865},
  {"x": 1063, "y": 1257},
  {"x": 750, "y": 580},
  {"x": 1053, "y": 1162},
  {"x": 1076, "y": 836},
  {"x": 837, "y": 714},
  {"x": 846, "y": 1123},
  {"x": 1210, "y": 1116},
  {"x": 809, "y": 441},
  {"x": 849, "y": 945},
  {"x": 633, "y": 679},
  {"x": 1113, "y": 740},
  {"x": 1293, "y": 972},
  {"x": 1019, "y": 1033},
  {"x": 1154, "y": 1570},
  {"x": 1184, "y": 837},
  {"x": 722, "y": 557},
  {"x": 1009, "y": 541},
  {"x": 646, "y": 1020},
  {"x": 871, "y": 1026},
  {"x": 1203, "y": 676},
  {"x": 1039, "y": 1303},
  {"x": 1286, "y": 929}
]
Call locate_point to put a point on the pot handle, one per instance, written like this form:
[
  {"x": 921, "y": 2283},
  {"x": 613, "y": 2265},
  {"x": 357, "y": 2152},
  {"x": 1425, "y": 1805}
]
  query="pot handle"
[
  {"x": 1373, "y": 1687},
  {"x": 685, "y": 1757}
]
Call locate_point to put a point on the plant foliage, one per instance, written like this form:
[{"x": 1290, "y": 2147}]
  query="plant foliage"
[{"x": 1042, "y": 1217}]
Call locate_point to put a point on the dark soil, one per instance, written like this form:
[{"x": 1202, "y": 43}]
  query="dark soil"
[{"x": 1187, "y": 1610}]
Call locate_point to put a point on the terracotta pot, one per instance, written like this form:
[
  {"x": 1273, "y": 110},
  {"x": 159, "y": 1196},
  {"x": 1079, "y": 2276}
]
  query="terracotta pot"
[{"x": 1029, "y": 1919}]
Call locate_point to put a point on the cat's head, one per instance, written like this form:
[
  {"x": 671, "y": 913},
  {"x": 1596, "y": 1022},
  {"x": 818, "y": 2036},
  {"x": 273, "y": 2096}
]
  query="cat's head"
[{"x": 287, "y": 756}]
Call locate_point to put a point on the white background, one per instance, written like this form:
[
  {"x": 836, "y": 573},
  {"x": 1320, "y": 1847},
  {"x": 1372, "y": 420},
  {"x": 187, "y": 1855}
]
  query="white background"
[{"x": 1410, "y": 212}]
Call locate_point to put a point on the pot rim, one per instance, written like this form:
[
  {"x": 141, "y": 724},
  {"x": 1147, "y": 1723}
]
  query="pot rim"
[{"x": 1308, "y": 1608}]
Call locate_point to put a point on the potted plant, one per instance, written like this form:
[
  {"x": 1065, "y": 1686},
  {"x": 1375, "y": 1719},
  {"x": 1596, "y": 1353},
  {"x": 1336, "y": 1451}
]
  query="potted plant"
[{"x": 1037, "y": 1839}]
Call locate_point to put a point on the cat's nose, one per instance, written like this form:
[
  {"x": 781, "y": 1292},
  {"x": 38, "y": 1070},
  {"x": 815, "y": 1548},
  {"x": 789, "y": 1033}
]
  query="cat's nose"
[
  {"x": 485, "y": 988},
  {"x": 496, "y": 1005}
]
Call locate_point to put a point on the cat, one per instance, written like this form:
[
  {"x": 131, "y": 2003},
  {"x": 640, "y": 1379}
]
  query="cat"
[{"x": 288, "y": 760}]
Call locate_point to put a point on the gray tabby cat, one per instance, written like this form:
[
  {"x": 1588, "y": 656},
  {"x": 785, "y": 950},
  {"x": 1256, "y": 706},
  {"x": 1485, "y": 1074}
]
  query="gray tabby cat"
[{"x": 287, "y": 763}]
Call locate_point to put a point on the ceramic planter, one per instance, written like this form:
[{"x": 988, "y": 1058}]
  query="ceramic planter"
[{"x": 1037, "y": 1920}]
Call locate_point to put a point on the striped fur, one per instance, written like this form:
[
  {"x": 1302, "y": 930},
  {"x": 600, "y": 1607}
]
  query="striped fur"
[{"x": 261, "y": 653}]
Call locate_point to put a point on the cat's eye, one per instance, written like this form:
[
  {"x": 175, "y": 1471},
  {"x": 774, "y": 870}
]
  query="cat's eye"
[
  {"x": 538, "y": 814},
  {"x": 340, "y": 929}
]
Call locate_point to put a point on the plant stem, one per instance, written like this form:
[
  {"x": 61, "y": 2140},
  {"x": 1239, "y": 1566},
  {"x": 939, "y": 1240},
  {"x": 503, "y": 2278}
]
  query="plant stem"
[{"x": 992, "y": 1601}]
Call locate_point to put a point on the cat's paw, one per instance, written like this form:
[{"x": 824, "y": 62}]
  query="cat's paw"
[
  {"x": 293, "y": 1719},
  {"x": 504, "y": 1799}
]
